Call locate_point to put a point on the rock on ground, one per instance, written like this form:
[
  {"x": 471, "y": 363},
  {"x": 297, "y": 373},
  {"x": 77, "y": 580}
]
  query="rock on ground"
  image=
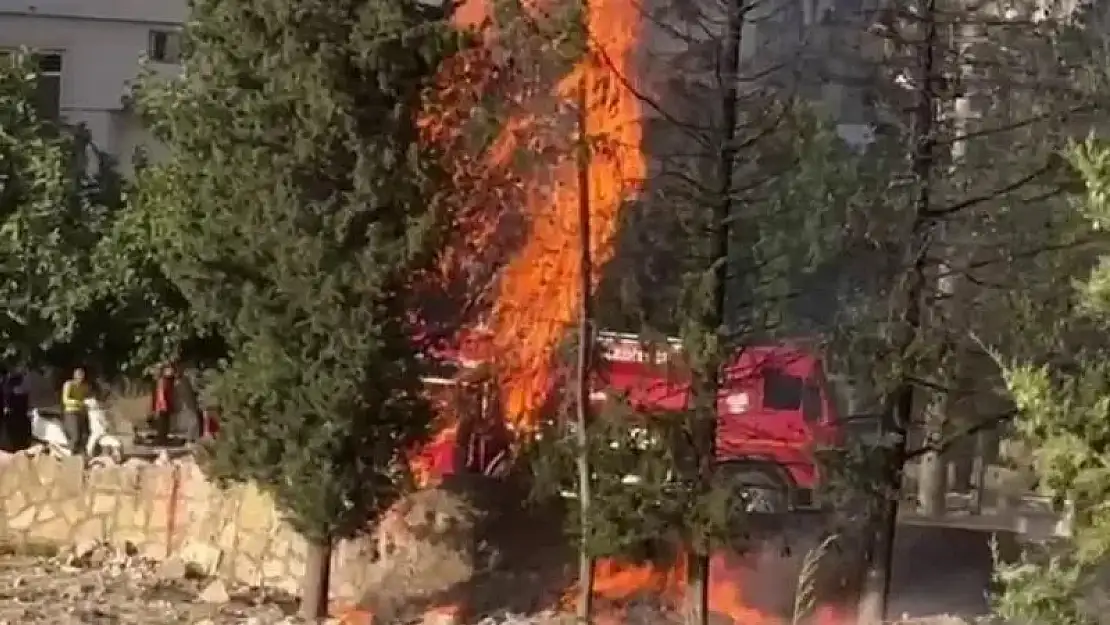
[{"x": 468, "y": 543}]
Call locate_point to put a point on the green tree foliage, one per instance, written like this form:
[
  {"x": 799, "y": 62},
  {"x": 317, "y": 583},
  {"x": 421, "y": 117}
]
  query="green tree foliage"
[
  {"x": 1063, "y": 416},
  {"x": 60, "y": 198},
  {"x": 294, "y": 212}
]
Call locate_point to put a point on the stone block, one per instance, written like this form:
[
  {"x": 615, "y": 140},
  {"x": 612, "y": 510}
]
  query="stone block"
[
  {"x": 194, "y": 486},
  {"x": 105, "y": 480},
  {"x": 54, "y": 530},
  {"x": 245, "y": 570},
  {"x": 273, "y": 569},
  {"x": 256, "y": 509},
  {"x": 228, "y": 538},
  {"x": 46, "y": 512},
  {"x": 13, "y": 477},
  {"x": 206, "y": 524},
  {"x": 74, "y": 510},
  {"x": 297, "y": 548},
  {"x": 176, "y": 540},
  {"x": 128, "y": 515},
  {"x": 215, "y": 593},
  {"x": 295, "y": 567},
  {"x": 104, "y": 503},
  {"x": 14, "y": 503},
  {"x": 344, "y": 590},
  {"x": 23, "y": 519},
  {"x": 130, "y": 478},
  {"x": 197, "y": 510},
  {"x": 156, "y": 482},
  {"x": 69, "y": 478},
  {"x": 253, "y": 543},
  {"x": 46, "y": 469},
  {"x": 157, "y": 514}
]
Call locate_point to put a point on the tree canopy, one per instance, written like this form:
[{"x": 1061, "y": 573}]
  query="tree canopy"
[{"x": 295, "y": 211}]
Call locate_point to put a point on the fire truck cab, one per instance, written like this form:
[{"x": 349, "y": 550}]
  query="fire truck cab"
[{"x": 775, "y": 406}]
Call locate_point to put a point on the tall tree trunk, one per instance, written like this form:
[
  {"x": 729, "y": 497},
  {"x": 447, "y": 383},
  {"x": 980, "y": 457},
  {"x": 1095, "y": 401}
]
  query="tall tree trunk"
[
  {"x": 585, "y": 344},
  {"x": 317, "y": 576},
  {"x": 713, "y": 320},
  {"x": 960, "y": 405},
  {"x": 932, "y": 470},
  {"x": 934, "y": 479},
  {"x": 900, "y": 403}
]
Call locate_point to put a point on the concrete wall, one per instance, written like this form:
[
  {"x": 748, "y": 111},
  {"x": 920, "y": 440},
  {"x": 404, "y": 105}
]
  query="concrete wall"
[
  {"x": 101, "y": 43},
  {"x": 150, "y": 11},
  {"x": 163, "y": 510}
]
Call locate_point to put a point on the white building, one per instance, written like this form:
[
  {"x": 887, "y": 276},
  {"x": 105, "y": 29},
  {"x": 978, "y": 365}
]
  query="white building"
[{"x": 91, "y": 50}]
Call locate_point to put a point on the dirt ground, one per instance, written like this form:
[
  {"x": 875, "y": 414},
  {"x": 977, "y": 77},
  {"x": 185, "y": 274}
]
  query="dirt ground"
[{"x": 103, "y": 586}]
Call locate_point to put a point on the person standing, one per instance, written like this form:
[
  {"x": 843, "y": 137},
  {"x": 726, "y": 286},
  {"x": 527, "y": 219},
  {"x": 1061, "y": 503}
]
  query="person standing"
[
  {"x": 17, "y": 411},
  {"x": 75, "y": 417},
  {"x": 163, "y": 403}
]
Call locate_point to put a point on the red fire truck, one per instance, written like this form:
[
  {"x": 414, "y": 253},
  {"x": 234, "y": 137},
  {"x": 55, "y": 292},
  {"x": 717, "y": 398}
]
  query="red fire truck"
[{"x": 775, "y": 405}]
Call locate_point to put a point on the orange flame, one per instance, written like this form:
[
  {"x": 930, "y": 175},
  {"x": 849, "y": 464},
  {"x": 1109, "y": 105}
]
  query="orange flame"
[
  {"x": 536, "y": 293},
  {"x": 616, "y": 584},
  {"x": 539, "y": 290}
]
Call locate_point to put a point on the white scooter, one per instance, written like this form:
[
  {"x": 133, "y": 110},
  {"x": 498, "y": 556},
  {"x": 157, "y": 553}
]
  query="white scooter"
[{"x": 47, "y": 429}]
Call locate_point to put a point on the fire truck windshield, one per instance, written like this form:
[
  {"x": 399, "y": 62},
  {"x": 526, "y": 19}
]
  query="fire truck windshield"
[{"x": 782, "y": 391}]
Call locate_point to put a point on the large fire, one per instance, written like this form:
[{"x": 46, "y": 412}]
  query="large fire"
[
  {"x": 536, "y": 291},
  {"x": 533, "y": 288}
]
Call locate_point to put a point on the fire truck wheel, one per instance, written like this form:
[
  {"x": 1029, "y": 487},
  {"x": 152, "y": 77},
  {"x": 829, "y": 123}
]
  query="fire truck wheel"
[{"x": 757, "y": 490}]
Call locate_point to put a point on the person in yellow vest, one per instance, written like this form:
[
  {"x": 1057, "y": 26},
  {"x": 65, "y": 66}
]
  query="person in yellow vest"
[{"x": 75, "y": 416}]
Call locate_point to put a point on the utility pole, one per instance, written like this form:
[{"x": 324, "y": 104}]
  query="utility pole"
[{"x": 585, "y": 344}]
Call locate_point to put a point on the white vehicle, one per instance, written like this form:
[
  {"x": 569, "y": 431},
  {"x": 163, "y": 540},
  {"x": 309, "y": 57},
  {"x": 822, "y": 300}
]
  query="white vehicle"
[{"x": 47, "y": 429}]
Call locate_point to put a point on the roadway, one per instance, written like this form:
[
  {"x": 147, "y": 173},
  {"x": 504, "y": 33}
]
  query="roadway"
[
  {"x": 937, "y": 570},
  {"x": 940, "y": 570}
]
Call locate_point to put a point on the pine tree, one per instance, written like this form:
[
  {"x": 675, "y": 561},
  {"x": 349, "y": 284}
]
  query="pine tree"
[
  {"x": 295, "y": 210},
  {"x": 1063, "y": 416}
]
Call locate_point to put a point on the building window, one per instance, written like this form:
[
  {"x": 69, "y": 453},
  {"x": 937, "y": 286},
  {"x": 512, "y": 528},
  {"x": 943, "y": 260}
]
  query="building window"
[
  {"x": 164, "y": 46},
  {"x": 48, "y": 94}
]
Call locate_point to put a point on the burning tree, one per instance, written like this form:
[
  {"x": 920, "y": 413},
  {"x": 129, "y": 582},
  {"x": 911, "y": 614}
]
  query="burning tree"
[
  {"x": 703, "y": 255},
  {"x": 295, "y": 211}
]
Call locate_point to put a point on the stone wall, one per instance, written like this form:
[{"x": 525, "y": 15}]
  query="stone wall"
[{"x": 163, "y": 509}]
